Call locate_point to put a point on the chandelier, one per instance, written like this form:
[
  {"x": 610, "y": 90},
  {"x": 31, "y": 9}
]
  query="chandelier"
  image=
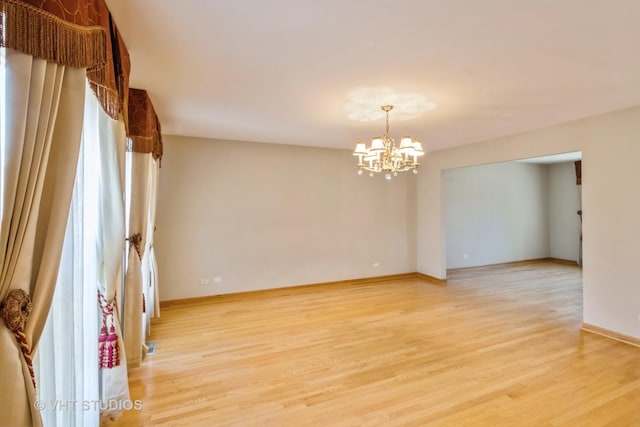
[{"x": 383, "y": 155}]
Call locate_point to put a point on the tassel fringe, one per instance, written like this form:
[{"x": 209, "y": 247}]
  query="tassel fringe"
[
  {"x": 38, "y": 33},
  {"x": 108, "y": 344},
  {"x": 109, "y": 99}
]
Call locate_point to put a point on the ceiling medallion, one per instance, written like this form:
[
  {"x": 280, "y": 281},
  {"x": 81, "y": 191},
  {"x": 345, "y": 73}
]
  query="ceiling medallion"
[{"x": 363, "y": 104}]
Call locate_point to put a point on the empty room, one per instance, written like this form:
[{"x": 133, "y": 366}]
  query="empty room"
[{"x": 335, "y": 213}]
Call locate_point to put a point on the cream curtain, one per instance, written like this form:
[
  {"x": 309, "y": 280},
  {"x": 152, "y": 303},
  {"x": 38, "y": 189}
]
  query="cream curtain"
[
  {"x": 141, "y": 301},
  {"x": 39, "y": 149},
  {"x": 111, "y": 139},
  {"x": 149, "y": 264},
  {"x": 141, "y": 167}
]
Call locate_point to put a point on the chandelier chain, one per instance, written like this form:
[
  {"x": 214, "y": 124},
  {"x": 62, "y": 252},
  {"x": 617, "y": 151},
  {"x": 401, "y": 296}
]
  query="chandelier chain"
[{"x": 387, "y": 122}]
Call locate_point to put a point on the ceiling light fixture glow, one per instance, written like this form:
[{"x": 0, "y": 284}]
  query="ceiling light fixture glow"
[
  {"x": 363, "y": 104},
  {"x": 383, "y": 155}
]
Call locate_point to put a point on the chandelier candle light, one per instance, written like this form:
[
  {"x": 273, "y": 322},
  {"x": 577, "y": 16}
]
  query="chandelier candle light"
[{"x": 385, "y": 156}]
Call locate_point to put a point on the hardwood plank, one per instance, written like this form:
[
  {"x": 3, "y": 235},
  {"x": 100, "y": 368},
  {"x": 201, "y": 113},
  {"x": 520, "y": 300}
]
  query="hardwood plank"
[{"x": 498, "y": 345}]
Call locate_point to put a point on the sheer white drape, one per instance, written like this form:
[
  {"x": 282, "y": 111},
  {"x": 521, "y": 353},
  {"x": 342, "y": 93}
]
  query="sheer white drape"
[
  {"x": 40, "y": 142},
  {"x": 68, "y": 353},
  {"x": 149, "y": 264}
]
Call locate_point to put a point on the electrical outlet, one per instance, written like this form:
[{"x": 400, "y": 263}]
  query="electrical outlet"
[
  {"x": 217, "y": 279},
  {"x": 376, "y": 264},
  {"x": 465, "y": 256},
  {"x": 204, "y": 282}
]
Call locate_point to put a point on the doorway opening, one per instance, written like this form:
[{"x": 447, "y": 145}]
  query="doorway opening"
[{"x": 528, "y": 209}]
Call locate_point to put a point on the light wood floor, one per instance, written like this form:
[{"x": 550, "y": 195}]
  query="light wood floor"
[{"x": 495, "y": 346}]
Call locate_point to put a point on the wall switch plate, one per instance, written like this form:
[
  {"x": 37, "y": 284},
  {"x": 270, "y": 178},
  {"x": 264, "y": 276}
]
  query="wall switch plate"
[
  {"x": 204, "y": 282},
  {"x": 376, "y": 264},
  {"x": 217, "y": 279}
]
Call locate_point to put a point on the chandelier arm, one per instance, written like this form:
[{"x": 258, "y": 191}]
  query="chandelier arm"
[{"x": 384, "y": 156}]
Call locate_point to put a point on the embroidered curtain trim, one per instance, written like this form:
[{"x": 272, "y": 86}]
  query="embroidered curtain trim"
[
  {"x": 109, "y": 82},
  {"x": 82, "y": 34},
  {"x": 144, "y": 126},
  {"x": 122, "y": 68},
  {"x": 74, "y": 33}
]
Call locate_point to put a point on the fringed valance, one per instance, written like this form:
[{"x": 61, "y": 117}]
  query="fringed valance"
[
  {"x": 61, "y": 31},
  {"x": 74, "y": 33},
  {"x": 144, "y": 126},
  {"x": 122, "y": 67},
  {"x": 109, "y": 81},
  {"x": 82, "y": 34}
]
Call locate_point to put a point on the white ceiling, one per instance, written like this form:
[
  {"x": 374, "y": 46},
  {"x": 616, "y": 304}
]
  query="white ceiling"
[{"x": 279, "y": 71}]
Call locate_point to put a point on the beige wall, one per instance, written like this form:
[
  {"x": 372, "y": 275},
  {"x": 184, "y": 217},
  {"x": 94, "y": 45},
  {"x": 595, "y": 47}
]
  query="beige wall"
[
  {"x": 496, "y": 213},
  {"x": 264, "y": 216},
  {"x": 610, "y": 146}
]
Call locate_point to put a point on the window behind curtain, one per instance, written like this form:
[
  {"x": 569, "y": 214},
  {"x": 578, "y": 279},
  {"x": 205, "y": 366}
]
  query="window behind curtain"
[{"x": 67, "y": 357}]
